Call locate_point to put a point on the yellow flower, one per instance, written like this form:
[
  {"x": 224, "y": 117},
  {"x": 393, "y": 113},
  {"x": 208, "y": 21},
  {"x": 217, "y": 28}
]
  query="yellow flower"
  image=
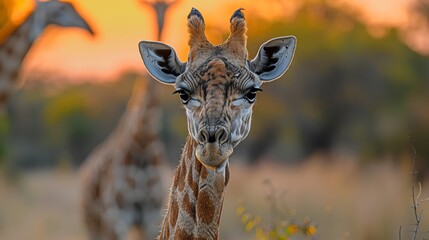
[
  {"x": 311, "y": 230},
  {"x": 245, "y": 218},
  {"x": 251, "y": 224},
  {"x": 240, "y": 210},
  {"x": 291, "y": 229},
  {"x": 260, "y": 234}
]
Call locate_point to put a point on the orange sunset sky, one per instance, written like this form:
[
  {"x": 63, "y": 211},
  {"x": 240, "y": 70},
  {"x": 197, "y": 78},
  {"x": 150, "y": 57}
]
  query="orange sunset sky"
[{"x": 120, "y": 25}]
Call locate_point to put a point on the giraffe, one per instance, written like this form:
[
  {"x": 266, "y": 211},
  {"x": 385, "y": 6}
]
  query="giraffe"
[
  {"x": 15, "y": 47},
  {"x": 122, "y": 193},
  {"x": 138, "y": 214},
  {"x": 160, "y": 7},
  {"x": 217, "y": 87}
]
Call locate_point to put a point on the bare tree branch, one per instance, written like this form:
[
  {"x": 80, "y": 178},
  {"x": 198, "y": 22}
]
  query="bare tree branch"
[{"x": 415, "y": 198}]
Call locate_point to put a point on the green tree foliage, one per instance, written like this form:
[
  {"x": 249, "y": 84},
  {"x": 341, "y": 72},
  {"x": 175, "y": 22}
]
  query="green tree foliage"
[
  {"x": 346, "y": 89},
  {"x": 5, "y": 9},
  {"x": 66, "y": 124},
  {"x": 4, "y": 127}
]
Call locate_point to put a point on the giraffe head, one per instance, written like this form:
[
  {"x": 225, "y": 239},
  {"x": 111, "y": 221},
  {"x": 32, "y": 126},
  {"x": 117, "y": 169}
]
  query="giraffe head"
[
  {"x": 57, "y": 13},
  {"x": 218, "y": 84}
]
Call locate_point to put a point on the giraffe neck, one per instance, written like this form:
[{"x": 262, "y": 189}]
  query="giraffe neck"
[
  {"x": 196, "y": 199},
  {"x": 132, "y": 158},
  {"x": 139, "y": 126},
  {"x": 12, "y": 53}
]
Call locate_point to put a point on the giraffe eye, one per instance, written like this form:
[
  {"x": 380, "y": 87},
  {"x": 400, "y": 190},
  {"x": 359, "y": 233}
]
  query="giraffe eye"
[
  {"x": 251, "y": 95},
  {"x": 184, "y": 96}
]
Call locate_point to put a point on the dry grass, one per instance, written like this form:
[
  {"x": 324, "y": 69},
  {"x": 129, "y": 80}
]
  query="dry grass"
[
  {"x": 42, "y": 205},
  {"x": 345, "y": 202}
]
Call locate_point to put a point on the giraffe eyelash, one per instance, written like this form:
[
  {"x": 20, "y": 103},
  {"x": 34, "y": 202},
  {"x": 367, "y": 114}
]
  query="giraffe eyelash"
[
  {"x": 251, "y": 94},
  {"x": 184, "y": 95}
]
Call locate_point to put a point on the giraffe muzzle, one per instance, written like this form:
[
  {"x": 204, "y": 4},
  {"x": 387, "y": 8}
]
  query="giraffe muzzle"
[{"x": 214, "y": 147}]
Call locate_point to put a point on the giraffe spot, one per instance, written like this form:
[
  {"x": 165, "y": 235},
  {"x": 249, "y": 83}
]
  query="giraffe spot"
[
  {"x": 203, "y": 238},
  {"x": 166, "y": 233},
  {"x": 119, "y": 198},
  {"x": 128, "y": 160},
  {"x": 184, "y": 167},
  {"x": 96, "y": 191},
  {"x": 153, "y": 181},
  {"x": 143, "y": 140},
  {"x": 181, "y": 179},
  {"x": 135, "y": 232},
  {"x": 176, "y": 177},
  {"x": 220, "y": 185},
  {"x": 197, "y": 166},
  {"x": 189, "y": 178},
  {"x": 156, "y": 160},
  {"x": 204, "y": 173},
  {"x": 9, "y": 51},
  {"x": 189, "y": 151},
  {"x": 4, "y": 96},
  {"x": 165, "y": 230},
  {"x": 226, "y": 175},
  {"x": 14, "y": 76},
  {"x": 174, "y": 210},
  {"x": 182, "y": 235},
  {"x": 194, "y": 188},
  {"x": 205, "y": 208},
  {"x": 130, "y": 181},
  {"x": 188, "y": 206},
  {"x": 193, "y": 185}
]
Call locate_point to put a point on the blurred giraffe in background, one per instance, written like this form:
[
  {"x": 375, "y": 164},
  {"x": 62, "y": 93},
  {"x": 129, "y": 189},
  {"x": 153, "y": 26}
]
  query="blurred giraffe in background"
[
  {"x": 15, "y": 46},
  {"x": 217, "y": 87},
  {"x": 160, "y": 7},
  {"x": 123, "y": 192}
]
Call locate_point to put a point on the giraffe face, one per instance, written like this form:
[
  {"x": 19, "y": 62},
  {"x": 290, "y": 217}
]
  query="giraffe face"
[
  {"x": 218, "y": 97},
  {"x": 58, "y": 13},
  {"x": 218, "y": 84}
]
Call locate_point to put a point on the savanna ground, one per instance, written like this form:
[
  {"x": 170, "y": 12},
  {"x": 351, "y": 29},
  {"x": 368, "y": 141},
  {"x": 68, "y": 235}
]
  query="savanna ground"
[{"x": 342, "y": 200}]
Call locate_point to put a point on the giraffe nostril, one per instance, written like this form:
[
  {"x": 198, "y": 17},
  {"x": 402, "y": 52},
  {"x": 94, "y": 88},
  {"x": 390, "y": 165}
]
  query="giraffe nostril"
[
  {"x": 203, "y": 136},
  {"x": 221, "y": 135}
]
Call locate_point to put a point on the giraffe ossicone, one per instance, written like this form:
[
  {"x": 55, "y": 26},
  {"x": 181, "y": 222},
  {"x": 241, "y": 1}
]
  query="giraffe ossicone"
[{"x": 217, "y": 87}]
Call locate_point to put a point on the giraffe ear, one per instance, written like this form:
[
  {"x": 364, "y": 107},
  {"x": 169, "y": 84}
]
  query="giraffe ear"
[
  {"x": 273, "y": 58},
  {"x": 161, "y": 61}
]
